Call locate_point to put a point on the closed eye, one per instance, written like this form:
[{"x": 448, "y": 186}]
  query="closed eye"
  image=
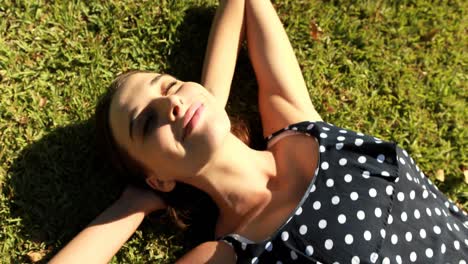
[
  {"x": 151, "y": 118},
  {"x": 149, "y": 122},
  {"x": 172, "y": 84}
]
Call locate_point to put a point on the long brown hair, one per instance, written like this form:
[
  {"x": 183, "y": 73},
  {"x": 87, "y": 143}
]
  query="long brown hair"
[{"x": 184, "y": 202}]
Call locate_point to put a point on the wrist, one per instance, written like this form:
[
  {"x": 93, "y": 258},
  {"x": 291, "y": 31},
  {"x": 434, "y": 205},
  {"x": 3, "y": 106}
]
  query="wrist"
[
  {"x": 130, "y": 206},
  {"x": 134, "y": 205}
]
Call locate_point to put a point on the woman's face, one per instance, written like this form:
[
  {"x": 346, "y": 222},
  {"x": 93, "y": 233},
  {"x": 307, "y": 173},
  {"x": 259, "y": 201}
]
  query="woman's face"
[{"x": 170, "y": 126}]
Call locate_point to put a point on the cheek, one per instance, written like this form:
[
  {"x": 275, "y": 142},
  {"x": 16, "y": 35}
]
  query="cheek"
[
  {"x": 163, "y": 144},
  {"x": 157, "y": 146}
]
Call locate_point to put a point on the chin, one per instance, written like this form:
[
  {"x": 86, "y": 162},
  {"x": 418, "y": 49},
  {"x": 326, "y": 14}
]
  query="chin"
[
  {"x": 217, "y": 131},
  {"x": 220, "y": 130},
  {"x": 209, "y": 138}
]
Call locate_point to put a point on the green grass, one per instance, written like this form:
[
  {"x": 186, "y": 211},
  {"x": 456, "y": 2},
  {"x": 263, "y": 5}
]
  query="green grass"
[{"x": 395, "y": 69}]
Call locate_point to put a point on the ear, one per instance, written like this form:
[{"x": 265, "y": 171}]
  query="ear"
[{"x": 160, "y": 185}]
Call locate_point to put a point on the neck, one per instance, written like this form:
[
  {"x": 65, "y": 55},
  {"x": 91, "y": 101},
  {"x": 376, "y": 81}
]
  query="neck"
[{"x": 237, "y": 179}]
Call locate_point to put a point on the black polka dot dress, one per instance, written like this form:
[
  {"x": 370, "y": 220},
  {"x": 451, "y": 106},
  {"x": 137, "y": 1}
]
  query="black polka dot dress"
[{"x": 368, "y": 203}]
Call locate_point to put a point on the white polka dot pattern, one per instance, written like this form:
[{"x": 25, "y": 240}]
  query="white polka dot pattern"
[
  {"x": 348, "y": 178},
  {"x": 269, "y": 246},
  {"x": 408, "y": 236},
  {"x": 328, "y": 244},
  {"x": 343, "y": 161},
  {"x": 309, "y": 250},
  {"x": 293, "y": 255},
  {"x": 299, "y": 211},
  {"x": 303, "y": 230},
  {"x": 355, "y": 260},
  {"x": 358, "y": 142},
  {"x": 361, "y": 215},
  {"x": 335, "y": 200},
  {"x": 378, "y": 212},
  {"x": 322, "y": 224},
  {"x": 381, "y": 158},
  {"x": 365, "y": 192},
  {"x": 366, "y": 174},
  {"x": 341, "y": 219},
  {"x": 362, "y": 159},
  {"x": 367, "y": 235}
]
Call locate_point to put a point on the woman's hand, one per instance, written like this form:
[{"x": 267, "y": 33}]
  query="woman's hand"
[{"x": 141, "y": 199}]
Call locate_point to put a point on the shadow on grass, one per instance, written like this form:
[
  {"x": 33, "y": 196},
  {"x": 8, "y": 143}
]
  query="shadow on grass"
[{"x": 58, "y": 185}]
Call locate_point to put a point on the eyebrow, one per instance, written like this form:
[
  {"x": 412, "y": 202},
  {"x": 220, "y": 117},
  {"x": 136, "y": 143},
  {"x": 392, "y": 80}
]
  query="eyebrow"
[
  {"x": 131, "y": 116},
  {"x": 156, "y": 79}
]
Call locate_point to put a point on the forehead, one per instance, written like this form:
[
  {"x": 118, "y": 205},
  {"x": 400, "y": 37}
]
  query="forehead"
[
  {"x": 133, "y": 86},
  {"x": 126, "y": 100}
]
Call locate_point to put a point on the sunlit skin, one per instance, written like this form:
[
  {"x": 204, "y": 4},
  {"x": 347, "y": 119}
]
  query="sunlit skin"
[
  {"x": 208, "y": 152},
  {"x": 156, "y": 105}
]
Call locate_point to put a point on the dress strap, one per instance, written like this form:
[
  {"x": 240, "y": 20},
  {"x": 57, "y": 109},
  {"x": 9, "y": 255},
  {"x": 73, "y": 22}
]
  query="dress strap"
[
  {"x": 282, "y": 135},
  {"x": 239, "y": 244},
  {"x": 303, "y": 128}
]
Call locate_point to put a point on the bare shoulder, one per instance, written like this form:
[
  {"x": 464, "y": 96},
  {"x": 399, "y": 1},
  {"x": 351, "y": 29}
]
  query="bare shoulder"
[{"x": 210, "y": 252}]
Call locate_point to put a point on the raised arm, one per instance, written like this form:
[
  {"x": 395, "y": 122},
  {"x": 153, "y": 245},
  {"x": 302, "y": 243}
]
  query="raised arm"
[
  {"x": 283, "y": 98},
  {"x": 226, "y": 35},
  {"x": 106, "y": 234}
]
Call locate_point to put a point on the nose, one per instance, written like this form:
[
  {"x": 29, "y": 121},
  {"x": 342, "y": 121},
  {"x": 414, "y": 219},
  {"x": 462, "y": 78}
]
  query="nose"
[{"x": 176, "y": 107}]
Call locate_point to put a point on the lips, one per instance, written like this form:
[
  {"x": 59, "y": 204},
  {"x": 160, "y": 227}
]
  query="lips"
[{"x": 191, "y": 117}]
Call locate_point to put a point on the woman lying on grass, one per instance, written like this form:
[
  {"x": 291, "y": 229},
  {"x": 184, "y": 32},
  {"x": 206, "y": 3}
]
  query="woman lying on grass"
[{"x": 317, "y": 193}]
